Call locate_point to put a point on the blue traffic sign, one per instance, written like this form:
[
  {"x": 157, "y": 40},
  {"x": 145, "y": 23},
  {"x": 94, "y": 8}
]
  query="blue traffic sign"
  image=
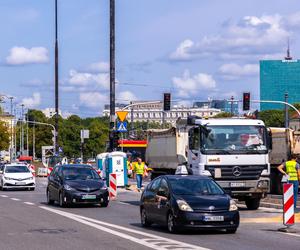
[{"x": 122, "y": 126}]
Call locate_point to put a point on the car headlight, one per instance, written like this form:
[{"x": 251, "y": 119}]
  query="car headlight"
[
  {"x": 67, "y": 187},
  {"x": 30, "y": 178},
  {"x": 184, "y": 206},
  {"x": 7, "y": 178},
  {"x": 233, "y": 206},
  {"x": 104, "y": 187}
]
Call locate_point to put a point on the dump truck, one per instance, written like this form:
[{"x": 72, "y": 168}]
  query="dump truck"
[
  {"x": 285, "y": 142},
  {"x": 233, "y": 151}
]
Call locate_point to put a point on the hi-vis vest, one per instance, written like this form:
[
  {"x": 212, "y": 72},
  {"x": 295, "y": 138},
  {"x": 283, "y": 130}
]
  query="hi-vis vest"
[
  {"x": 291, "y": 170},
  {"x": 139, "y": 168}
]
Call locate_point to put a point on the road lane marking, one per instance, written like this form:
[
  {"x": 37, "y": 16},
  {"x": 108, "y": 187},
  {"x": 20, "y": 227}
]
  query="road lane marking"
[
  {"x": 4, "y": 196},
  {"x": 15, "y": 199},
  {"x": 296, "y": 235},
  {"x": 103, "y": 226},
  {"x": 29, "y": 203}
]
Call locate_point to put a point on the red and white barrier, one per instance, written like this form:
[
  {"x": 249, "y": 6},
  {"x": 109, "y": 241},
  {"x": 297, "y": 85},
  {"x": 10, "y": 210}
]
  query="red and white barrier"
[
  {"x": 288, "y": 204},
  {"x": 112, "y": 186},
  {"x": 49, "y": 170}
]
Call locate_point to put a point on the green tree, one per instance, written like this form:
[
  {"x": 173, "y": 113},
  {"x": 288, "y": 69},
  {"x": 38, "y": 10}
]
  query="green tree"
[
  {"x": 272, "y": 118},
  {"x": 4, "y": 136},
  {"x": 223, "y": 115}
]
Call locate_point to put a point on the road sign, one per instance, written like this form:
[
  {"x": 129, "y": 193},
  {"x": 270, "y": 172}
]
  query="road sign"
[
  {"x": 122, "y": 115},
  {"x": 122, "y": 126}
]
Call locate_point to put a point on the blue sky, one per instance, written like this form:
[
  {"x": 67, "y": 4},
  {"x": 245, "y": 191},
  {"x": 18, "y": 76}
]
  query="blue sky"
[{"x": 194, "y": 49}]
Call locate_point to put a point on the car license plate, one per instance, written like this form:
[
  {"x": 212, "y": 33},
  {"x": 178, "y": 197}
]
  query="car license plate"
[
  {"x": 213, "y": 218},
  {"x": 237, "y": 184},
  {"x": 20, "y": 183},
  {"x": 88, "y": 197}
]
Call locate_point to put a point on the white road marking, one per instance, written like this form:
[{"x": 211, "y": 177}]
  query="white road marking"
[
  {"x": 29, "y": 203},
  {"x": 291, "y": 234},
  {"x": 103, "y": 226},
  {"x": 15, "y": 199},
  {"x": 124, "y": 203},
  {"x": 4, "y": 196}
]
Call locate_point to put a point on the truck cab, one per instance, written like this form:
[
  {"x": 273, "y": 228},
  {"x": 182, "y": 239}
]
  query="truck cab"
[{"x": 233, "y": 151}]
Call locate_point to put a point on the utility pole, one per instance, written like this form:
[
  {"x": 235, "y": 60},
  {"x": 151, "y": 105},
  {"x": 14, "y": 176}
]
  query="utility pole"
[
  {"x": 286, "y": 111},
  {"x": 11, "y": 130},
  {"x": 56, "y": 83},
  {"x": 112, "y": 72},
  {"x": 33, "y": 142},
  {"x": 22, "y": 130},
  {"x": 27, "y": 130}
]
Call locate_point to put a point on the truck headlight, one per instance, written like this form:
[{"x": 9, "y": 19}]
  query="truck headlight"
[
  {"x": 232, "y": 206},
  {"x": 184, "y": 206},
  {"x": 263, "y": 184}
]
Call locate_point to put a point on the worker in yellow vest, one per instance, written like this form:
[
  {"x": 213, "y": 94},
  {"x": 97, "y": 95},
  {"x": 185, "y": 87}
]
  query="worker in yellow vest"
[
  {"x": 291, "y": 169},
  {"x": 139, "y": 168}
]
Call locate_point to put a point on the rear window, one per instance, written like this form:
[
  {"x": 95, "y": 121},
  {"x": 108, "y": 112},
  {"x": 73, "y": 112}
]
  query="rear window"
[
  {"x": 195, "y": 187},
  {"x": 16, "y": 169}
]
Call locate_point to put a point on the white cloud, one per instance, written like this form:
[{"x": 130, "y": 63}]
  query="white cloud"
[
  {"x": 93, "y": 99},
  {"x": 102, "y": 67},
  {"x": 32, "y": 102},
  {"x": 250, "y": 38},
  {"x": 84, "y": 79},
  {"x": 190, "y": 85},
  {"x": 232, "y": 71},
  {"x": 21, "y": 56},
  {"x": 126, "y": 96}
]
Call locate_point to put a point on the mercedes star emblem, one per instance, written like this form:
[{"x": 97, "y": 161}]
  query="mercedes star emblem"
[{"x": 236, "y": 171}]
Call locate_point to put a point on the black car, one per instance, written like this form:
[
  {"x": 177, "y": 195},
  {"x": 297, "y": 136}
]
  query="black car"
[
  {"x": 76, "y": 184},
  {"x": 188, "y": 202}
]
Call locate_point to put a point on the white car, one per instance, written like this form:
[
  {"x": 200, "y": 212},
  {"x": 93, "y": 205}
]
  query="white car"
[{"x": 16, "y": 176}]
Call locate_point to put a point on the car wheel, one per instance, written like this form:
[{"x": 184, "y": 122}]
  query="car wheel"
[
  {"x": 252, "y": 203},
  {"x": 61, "y": 200},
  {"x": 171, "y": 223},
  {"x": 144, "y": 220},
  {"x": 49, "y": 201},
  {"x": 104, "y": 203},
  {"x": 231, "y": 230}
]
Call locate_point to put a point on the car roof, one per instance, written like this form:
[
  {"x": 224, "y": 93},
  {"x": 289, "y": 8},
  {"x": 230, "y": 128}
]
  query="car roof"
[
  {"x": 15, "y": 164},
  {"x": 189, "y": 177},
  {"x": 75, "y": 166}
]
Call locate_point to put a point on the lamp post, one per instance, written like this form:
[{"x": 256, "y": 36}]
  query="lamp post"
[{"x": 56, "y": 82}]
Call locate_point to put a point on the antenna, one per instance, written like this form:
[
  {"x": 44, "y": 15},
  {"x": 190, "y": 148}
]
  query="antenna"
[{"x": 288, "y": 57}]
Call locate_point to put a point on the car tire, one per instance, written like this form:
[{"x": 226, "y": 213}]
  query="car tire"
[
  {"x": 231, "y": 230},
  {"x": 104, "y": 203},
  {"x": 61, "y": 200},
  {"x": 49, "y": 201},
  {"x": 252, "y": 203},
  {"x": 172, "y": 228},
  {"x": 144, "y": 220}
]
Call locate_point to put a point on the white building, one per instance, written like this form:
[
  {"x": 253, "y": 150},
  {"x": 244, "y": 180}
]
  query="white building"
[
  {"x": 49, "y": 112},
  {"x": 155, "y": 113}
]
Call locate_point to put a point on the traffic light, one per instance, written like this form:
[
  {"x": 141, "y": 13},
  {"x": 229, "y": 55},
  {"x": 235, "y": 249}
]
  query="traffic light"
[
  {"x": 114, "y": 139},
  {"x": 167, "y": 101},
  {"x": 246, "y": 101}
]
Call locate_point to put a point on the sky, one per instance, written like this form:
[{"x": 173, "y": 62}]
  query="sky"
[{"x": 196, "y": 50}]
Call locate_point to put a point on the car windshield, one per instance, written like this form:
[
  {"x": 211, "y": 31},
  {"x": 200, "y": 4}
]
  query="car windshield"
[
  {"x": 16, "y": 169},
  {"x": 234, "y": 139},
  {"x": 195, "y": 187},
  {"x": 80, "y": 174}
]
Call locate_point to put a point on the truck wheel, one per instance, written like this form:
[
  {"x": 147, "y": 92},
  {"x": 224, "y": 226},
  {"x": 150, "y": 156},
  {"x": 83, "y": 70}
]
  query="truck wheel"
[{"x": 252, "y": 203}]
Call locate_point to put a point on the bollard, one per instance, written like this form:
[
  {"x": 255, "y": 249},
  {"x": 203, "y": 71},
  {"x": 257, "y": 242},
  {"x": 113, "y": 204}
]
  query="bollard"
[
  {"x": 113, "y": 186},
  {"x": 288, "y": 208}
]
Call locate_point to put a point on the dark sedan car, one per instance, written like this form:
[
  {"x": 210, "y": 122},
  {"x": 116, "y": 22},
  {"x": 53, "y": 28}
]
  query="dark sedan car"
[
  {"x": 188, "y": 202},
  {"x": 76, "y": 184}
]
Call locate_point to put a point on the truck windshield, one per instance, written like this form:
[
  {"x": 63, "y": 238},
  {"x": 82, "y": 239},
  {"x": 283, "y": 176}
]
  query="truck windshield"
[{"x": 233, "y": 139}]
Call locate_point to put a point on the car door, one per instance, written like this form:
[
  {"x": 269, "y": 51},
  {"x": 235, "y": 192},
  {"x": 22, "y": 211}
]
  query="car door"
[
  {"x": 55, "y": 184},
  {"x": 162, "y": 201},
  {"x": 150, "y": 199}
]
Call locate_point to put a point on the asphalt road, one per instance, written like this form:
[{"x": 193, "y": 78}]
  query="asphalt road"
[{"x": 27, "y": 222}]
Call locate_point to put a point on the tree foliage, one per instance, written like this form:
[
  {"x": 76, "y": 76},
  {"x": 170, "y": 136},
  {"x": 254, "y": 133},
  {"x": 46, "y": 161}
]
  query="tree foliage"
[
  {"x": 4, "y": 136},
  {"x": 223, "y": 115},
  {"x": 272, "y": 118}
]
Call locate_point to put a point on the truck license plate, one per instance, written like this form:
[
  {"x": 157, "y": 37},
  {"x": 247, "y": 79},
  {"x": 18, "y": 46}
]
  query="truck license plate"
[
  {"x": 213, "y": 218},
  {"x": 237, "y": 184}
]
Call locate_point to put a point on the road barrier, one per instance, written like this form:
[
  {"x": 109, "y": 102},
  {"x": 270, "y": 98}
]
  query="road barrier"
[
  {"x": 288, "y": 204},
  {"x": 112, "y": 186}
]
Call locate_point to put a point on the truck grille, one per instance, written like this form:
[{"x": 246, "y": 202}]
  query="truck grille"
[{"x": 237, "y": 172}]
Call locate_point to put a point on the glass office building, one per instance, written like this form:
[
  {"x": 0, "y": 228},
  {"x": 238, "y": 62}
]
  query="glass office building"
[
  {"x": 278, "y": 77},
  {"x": 223, "y": 105}
]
